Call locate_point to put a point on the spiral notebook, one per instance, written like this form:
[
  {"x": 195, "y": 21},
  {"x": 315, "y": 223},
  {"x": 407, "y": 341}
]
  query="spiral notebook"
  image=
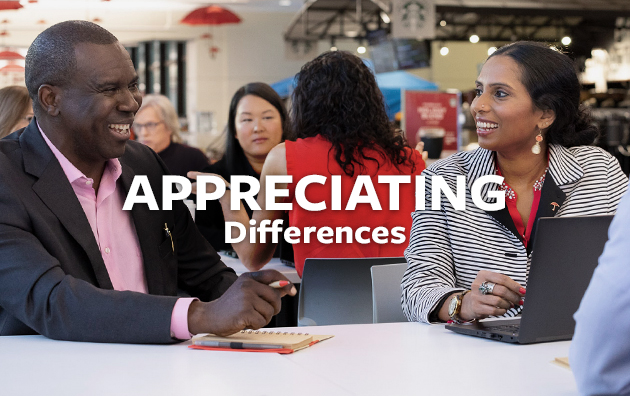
[{"x": 258, "y": 341}]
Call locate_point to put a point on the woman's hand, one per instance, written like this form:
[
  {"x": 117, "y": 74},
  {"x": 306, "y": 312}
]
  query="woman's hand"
[
  {"x": 420, "y": 149},
  {"x": 505, "y": 294},
  {"x": 210, "y": 187}
]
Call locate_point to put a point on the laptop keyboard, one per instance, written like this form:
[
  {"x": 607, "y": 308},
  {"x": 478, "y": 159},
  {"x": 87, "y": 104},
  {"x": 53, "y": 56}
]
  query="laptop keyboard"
[{"x": 504, "y": 328}]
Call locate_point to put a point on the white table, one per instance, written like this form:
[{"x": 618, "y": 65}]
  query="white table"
[
  {"x": 419, "y": 359},
  {"x": 379, "y": 359},
  {"x": 274, "y": 264}
]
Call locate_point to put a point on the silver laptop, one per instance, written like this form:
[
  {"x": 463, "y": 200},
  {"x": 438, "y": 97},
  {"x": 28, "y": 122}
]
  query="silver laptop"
[{"x": 564, "y": 256}]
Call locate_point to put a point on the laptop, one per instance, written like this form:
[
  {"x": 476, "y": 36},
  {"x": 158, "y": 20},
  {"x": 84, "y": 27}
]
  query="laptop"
[
  {"x": 338, "y": 290},
  {"x": 564, "y": 256}
]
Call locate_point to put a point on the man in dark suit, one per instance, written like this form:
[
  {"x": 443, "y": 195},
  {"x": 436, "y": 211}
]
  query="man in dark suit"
[{"x": 73, "y": 264}]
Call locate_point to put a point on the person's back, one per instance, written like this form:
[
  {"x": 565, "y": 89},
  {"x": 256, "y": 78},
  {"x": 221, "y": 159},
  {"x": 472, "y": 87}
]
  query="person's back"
[
  {"x": 342, "y": 129},
  {"x": 307, "y": 157},
  {"x": 600, "y": 351}
]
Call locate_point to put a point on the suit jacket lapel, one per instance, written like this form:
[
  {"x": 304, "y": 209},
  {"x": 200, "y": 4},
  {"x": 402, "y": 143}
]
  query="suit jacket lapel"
[
  {"x": 145, "y": 220},
  {"x": 482, "y": 164},
  {"x": 551, "y": 200},
  {"x": 55, "y": 191},
  {"x": 563, "y": 169}
]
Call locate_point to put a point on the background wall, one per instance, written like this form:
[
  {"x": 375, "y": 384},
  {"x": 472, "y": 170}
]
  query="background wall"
[
  {"x": 253, "y": 50},
  {"x": 250, "y": 51},
  {"x": 460, "y": 67}
]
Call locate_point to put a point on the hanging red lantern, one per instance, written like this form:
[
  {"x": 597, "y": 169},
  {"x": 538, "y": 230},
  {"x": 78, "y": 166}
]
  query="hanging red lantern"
[
  {"x": 11, "y": 68},
  {"x": 10, "y": 5},
  {"x": 211, "y": 15},
  {"x": 10, "y": 55},
  {"x": 214, "y": 51}
]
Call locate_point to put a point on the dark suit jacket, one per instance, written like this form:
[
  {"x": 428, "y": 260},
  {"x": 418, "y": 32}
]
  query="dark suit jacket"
[{"x": 53, "y": 280}]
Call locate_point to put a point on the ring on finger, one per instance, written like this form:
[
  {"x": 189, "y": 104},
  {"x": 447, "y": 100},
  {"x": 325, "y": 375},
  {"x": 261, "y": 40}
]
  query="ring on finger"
[{"x": 486, "y": 288}]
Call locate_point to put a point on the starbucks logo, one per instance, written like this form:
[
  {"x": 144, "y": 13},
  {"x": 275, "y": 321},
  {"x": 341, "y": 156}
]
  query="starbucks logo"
[{"x": 413, "y": 15}]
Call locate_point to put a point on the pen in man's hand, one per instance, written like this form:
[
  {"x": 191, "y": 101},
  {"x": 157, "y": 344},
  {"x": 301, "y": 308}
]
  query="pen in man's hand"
[{"x": 279, "y": 284}]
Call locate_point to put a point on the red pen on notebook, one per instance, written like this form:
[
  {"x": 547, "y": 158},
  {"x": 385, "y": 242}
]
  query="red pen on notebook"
[{"x": 279, "y": 284}]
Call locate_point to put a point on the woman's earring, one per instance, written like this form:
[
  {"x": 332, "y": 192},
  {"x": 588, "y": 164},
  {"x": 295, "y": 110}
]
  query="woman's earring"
[{"x": 536, "y": 147}]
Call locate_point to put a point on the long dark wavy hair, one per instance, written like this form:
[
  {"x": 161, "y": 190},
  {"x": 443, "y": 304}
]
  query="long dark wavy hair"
[
  {"x": 336, "y": 97},
  {"x": 552, "y": 82},
  {"x": 234, "y": 152}
]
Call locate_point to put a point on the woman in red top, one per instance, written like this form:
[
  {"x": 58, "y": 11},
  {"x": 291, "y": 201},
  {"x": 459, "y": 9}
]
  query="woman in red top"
[{"x": 343, "y": 134}]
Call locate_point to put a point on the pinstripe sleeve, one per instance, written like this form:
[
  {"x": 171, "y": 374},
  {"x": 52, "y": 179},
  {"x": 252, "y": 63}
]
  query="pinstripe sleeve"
[
  {"x": 616, "y": 184},
  {"x": 430, "y": 273}
]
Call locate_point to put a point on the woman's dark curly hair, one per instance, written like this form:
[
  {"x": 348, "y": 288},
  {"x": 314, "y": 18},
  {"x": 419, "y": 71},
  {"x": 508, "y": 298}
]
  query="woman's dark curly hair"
[
  {"x": 552, "y": 83},
  {"x": 234, "y": 152},
  {"x": 336, "y": 96}
]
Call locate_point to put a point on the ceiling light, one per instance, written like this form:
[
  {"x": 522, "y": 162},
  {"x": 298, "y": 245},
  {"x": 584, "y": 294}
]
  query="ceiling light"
[
  {"x": 442, "y": 23},
  {"x": 491, "y": 50},
  {"x": 566, "y": 40},
  {"x": 444, "y": 51},
  {"x": 385, "y": 17},
  {"x": 361, "y": 50},
  {"x": 474, "y": 39},
  {"x": 333, "y": 48},
  {"x": 285, "y": 3}
]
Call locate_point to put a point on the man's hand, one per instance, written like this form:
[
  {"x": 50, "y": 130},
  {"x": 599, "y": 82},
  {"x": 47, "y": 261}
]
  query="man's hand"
[{"x": 248, "y": 304}]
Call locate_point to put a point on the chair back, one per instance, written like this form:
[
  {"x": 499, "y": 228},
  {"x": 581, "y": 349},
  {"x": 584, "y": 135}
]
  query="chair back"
[
  {"x": 386, "y": 292},
  {"x": 338, "y": 291}
]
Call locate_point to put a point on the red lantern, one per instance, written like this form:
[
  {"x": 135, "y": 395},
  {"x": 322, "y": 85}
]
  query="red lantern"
[
  {"x": 211, "y": 15},
  {"x": 12, "y": 68},
  {"x": 10, "y": 55},
  {"x": 10, "y": 5},
  {"x": 214, "y": 51}
]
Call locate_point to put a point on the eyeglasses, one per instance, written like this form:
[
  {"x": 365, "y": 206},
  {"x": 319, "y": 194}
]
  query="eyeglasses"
[{"x": 149, "y": 125}]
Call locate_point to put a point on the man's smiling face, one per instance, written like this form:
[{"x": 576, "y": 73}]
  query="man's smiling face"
[{"x": 97, "y": 106}]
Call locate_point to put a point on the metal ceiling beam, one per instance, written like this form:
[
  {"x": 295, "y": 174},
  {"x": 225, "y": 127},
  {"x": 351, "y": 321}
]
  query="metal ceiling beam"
[
  {"x": 533, "y": 11},
  {"x": 352, "y": 15}
]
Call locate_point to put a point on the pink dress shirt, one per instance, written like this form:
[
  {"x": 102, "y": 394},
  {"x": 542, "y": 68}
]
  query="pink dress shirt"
[{"x": 115, "y": 233}]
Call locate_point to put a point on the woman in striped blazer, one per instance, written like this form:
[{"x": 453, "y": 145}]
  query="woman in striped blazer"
[{"x": 532, "y": 132}]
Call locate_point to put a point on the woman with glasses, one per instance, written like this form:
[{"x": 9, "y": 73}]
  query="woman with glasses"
[
  {"x": 16, "y": 109},
  {"x": 258, "y": 121},
  {"x": 156, "y": 125}
]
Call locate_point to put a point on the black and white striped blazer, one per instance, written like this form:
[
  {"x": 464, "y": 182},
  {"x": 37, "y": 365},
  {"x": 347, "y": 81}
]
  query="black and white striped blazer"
[{"x": 447, "y": 248}]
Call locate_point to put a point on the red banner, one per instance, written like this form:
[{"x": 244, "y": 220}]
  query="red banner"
[{"x": 431, "y": 114}]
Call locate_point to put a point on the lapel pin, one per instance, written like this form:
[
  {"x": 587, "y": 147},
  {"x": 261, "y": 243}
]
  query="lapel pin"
[{"x": 555, "y": 205}]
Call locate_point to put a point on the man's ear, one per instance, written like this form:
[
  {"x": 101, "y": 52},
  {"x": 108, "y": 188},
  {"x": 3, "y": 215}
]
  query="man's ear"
[{"x": 49, "y": 97}]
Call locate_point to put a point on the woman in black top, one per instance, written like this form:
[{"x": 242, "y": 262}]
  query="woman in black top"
[
  {"x": 257, "y": 122},
  {"x": 157, "y": 126}
]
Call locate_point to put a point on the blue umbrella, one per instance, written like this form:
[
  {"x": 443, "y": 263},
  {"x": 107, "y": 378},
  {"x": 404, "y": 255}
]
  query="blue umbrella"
[{"x": 284, "y": 87}]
